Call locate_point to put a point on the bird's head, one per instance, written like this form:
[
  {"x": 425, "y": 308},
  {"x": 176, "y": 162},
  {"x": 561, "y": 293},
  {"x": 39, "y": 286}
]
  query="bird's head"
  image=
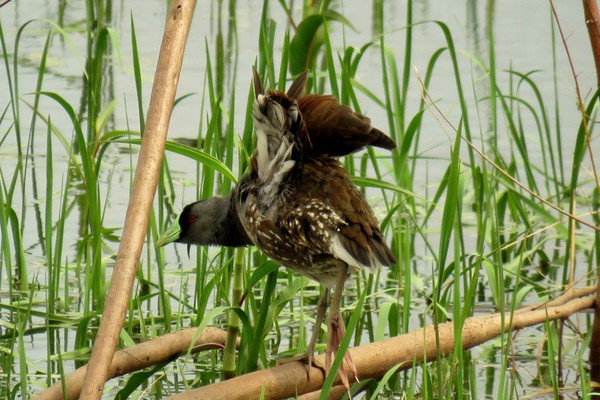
[{"x": 206, "y": 222}]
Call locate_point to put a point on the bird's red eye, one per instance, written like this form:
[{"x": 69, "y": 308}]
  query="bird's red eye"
[{"x": 192, "y": 218}]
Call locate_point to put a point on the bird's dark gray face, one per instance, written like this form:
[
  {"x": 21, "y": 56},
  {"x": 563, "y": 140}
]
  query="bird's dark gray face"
[
  {"x": 200, "y": 221},
  {"x": 189, "y": 221}
]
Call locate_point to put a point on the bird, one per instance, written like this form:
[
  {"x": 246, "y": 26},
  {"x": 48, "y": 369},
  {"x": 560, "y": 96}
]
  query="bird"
[
  {"x": 297, "y": 204},
  {"x": 302, "y": 209}
]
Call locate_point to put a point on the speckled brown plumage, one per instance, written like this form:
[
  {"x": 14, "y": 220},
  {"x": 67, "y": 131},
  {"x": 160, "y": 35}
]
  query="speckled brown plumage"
[
  {"x": 318, "y": 204},
  {"x": 295, "y": 168}
]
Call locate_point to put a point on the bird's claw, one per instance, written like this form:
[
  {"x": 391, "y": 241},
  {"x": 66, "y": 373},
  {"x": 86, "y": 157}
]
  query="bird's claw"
[{"x": 308, "y": 360}]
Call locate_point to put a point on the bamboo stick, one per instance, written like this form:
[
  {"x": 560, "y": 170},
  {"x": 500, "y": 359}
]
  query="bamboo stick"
[{"x": 140, "y": 203}]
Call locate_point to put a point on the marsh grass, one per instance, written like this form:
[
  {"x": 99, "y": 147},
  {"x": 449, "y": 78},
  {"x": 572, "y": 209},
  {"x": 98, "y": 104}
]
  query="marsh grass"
[{"x": 470, "y": 240}]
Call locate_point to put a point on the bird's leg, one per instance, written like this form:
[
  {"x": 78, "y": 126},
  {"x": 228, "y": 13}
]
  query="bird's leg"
[
  {"x": 308, "y": 355},
  {"x": 336, "y": 330},
  {"x": 321, "y": 309}
]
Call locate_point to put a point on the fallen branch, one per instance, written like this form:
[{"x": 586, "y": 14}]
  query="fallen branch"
[
  {"x": 373, "y": 360},
  {"x": 140, "y": 356}
]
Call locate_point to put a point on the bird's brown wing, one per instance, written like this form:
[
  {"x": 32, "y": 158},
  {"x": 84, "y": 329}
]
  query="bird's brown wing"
[{"x": 336, "y": 130}]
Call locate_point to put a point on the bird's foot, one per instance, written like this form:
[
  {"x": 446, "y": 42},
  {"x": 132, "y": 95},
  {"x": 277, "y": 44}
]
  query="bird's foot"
[
  {"x": 308, "y": 360},
  {"x": 336, "y": 333}
]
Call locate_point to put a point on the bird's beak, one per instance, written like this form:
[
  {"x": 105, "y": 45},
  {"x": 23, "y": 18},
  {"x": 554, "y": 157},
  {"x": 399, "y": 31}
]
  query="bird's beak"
[{"x": 170, "y": 235}]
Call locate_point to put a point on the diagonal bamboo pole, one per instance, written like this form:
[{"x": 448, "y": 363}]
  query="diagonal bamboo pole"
[{"x": 140, "y": 203}]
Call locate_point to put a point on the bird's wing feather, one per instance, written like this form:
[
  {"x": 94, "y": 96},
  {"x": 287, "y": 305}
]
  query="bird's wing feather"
[{"x": 336, "y": 130}]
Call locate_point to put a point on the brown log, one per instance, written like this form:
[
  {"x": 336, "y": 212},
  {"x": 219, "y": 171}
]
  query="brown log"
[
  {"x": 140, "y": 356},
  {"x": 373, "y": 360},
  {"x": 142, "y": 195}
]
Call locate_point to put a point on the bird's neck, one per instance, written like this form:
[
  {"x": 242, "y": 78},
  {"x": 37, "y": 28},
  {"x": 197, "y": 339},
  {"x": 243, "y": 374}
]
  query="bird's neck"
[{"x": 230, "y": 231}]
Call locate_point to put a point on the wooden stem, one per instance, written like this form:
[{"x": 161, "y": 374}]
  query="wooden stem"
[
  {"x": 233, "y": 321},
  {"x": 592, "y": 21},
  {"x": 142, "y": 195}
]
